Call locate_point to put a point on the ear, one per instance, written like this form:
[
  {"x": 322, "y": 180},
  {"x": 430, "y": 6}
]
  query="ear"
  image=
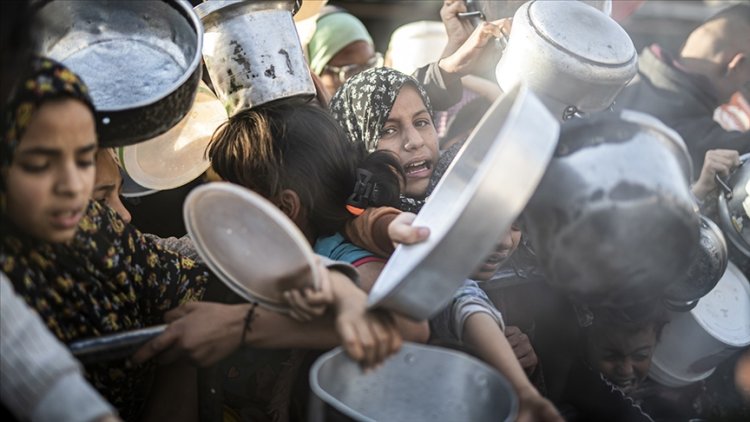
[
  {"x": 735, "y": 62},
  {"x": 289, "y": 203}
]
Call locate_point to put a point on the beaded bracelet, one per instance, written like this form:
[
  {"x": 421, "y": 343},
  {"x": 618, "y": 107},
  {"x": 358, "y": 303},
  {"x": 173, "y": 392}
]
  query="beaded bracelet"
[{"x": 248, "y": 321}]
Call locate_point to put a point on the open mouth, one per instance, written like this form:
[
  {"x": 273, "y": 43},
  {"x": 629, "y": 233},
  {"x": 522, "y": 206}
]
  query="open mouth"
[
  {"x": 418, "y": 169},
  {"x": 66, "y": 219}
]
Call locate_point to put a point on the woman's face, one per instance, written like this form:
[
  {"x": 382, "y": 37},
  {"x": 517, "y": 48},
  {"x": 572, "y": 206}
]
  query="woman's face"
[
  {"x": 108, "y": 184},
  {"x": 51, "y": 177},
  {"x": 623, "y": 358},
  {"x": 355, "y": 57},
  {"x": 410, "y": 133}
]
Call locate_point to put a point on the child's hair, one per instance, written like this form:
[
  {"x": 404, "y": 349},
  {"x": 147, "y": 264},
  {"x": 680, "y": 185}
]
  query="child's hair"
[
  {"x": 630, "y": 320},
  {"x": 288, "y": 145}
]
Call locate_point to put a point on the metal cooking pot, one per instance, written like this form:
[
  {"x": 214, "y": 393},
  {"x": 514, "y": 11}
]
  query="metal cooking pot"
[
  {"x": 252, "y": 52},
  {"x": 140, "y": 60},
  {"x": 705, "y": 271},
  {"x": 612, "y": 220},
  {"x": 419, "y": 383},
  {"x": 481, "y": 195},
  {"x": 734, "y": 206},
  {"x": 576, "y": 58}
]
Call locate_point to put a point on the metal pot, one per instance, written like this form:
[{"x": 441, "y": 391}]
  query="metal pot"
[
  {"x": 252, "y": 52},
  {"x": 613, "y": 221},
  {"x": 576, "y": 58},
  {"x": 480, "y": 196},
  {"x": 140, "y": 60},
  {"x": 705, "y": 271},
  {"x": 734, "y": 206},
  {"x": 419, "y": 383}
]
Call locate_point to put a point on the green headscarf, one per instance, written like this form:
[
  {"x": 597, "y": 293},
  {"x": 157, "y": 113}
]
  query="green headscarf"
[{"x": 333, "y": 32}]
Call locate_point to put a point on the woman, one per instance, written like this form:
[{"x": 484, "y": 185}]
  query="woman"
[{"x": 84, "y": 270}]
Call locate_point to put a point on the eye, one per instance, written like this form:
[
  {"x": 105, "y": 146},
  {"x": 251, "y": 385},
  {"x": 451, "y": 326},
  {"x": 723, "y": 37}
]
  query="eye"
[
  {"x": 34, "y": 167},
  {"x": 388, "y": 131},
  {"x": 422, "y": 123},
  {"x": 85, "y": 163}
]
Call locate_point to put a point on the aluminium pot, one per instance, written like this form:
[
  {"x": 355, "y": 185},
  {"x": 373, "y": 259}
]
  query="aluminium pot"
[
  {"x": 613, "y": 220},
  {"x": 252, "y": 52},
  {"x": 576, "y": 58},
  {"x": 419, "y": 383},
  {"x": 140, "y": 60},
  {"x": 706, "y": 269},
  {"x": 734, "y": 206}
]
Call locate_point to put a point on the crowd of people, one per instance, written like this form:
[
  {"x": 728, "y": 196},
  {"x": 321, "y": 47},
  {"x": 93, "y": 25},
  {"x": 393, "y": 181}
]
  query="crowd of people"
[{"x": 350, "y": 168}]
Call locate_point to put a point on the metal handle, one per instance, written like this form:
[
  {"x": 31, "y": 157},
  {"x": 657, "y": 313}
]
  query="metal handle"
[{"x": 724, "y": 186}]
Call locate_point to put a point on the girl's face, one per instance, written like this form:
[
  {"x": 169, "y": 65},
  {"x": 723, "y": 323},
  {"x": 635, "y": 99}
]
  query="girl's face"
[
  {"x": 503, "y": 250},
  {"x": 108, "y": 183},
  {"x": 51, "y": 177},
  {"x": 410, "y": 133},
  {"x": 623, "y": 358}
]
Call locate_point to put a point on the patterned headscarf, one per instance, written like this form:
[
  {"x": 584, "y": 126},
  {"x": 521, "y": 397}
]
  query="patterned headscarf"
[
  {"x": 48, "y": 80},
  {"x": 363, "y": 103}
]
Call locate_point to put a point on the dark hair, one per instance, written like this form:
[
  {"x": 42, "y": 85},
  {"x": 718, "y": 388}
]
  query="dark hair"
[
  {"x": 735, "y": 13},
  {"x": 287, "y": 145},
  {"x": 629, "y": 320}
]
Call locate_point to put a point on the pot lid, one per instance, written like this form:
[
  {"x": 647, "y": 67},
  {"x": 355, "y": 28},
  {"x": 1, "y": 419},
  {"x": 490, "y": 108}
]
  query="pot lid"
[
  {"x": 725, "y": 311},
  {"x": 176, "y": 157},
  {"x": 207, "y": 7},
  {"x": 131, "y": 189},
  {"x": 249, "y": 243},
  {"x": 582, "y": 31}
]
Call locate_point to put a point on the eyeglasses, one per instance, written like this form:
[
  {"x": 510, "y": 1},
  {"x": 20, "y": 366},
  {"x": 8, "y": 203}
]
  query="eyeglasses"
[{"x": 347, "y": 71}]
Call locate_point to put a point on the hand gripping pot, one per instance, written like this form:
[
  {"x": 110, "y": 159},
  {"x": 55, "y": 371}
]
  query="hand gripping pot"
[
  {"x": 734, "y": 206},
  {"x": 612, "y": 220},
  {"x": 479, "y": 197},
  {"x": 576, "y": 58},
  {"x": 253, "y": 53},
  {"x": 140, "y": 60}
]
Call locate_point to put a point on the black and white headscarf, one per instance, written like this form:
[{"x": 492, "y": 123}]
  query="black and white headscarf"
[{"x": 363, "y": 103}]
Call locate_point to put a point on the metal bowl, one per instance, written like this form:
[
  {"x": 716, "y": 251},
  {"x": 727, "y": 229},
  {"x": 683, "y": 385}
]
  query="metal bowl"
[
  {"x": 480, "y": 196},
  {"x": 249, "y": 243},
  {"x": 419, "y": 383},
  {"x": 140, "y": 60}
]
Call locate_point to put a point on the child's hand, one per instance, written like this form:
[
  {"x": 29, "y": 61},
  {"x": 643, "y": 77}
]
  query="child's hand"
[
  {"x": 522, "y": 348},
  {"x": 717, "y": 161},
  {"x": 308, "y": 303},
  {"x": 401, "y": 230},
  {"x": 533, "y": 407},
  {"x": 367, "y": 336}
]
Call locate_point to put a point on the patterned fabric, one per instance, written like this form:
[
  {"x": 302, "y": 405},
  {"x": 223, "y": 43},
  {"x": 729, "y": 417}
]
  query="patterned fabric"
[
  {"x": 448, "y": 324},
  {"x": 110, "y": 278},
  {"x": 49, "y": 80},
  {"x": 362, "y": 105}
]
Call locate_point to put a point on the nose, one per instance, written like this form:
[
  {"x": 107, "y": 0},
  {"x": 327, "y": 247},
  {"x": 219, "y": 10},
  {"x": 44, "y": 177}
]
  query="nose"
[
  {"x": 507, "y": 242},
  {"x": 413, "y": 139},
  {"x": 625, "y": 368},
  {"x": 116, "y": 204},
  {"x": 71, "y": 180}
]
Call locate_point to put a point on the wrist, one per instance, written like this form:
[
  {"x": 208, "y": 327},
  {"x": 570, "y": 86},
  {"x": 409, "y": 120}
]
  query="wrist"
[{"x": 448, "y": 67}]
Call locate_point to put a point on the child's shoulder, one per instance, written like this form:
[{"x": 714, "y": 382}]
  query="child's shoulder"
[{"x": 338, "y": 248}]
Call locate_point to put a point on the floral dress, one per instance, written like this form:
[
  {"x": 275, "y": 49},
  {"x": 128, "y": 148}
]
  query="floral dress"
[{"x": 110, "y": 278}]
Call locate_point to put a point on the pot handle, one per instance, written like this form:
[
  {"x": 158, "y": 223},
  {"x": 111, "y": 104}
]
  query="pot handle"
[{"x": 724, "y": 186}]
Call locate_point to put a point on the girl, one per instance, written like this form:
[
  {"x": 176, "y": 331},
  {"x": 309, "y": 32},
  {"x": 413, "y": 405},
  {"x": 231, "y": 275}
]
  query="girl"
[{"x": 384, "y": 109}]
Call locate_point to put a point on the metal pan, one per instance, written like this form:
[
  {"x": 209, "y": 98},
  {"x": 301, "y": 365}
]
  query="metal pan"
[
  {"x": 734, "y": 206},
  {"x": 140, "y": 60},
  {"x": 481, "y": 194},
  {"x": 249, "y": 243},
  {"x": 419, "y": 383},
  {"x": 114, "y": 346}
]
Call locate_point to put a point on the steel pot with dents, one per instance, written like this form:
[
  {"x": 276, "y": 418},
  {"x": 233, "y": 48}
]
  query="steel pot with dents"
[
  {"x": 613, "y": 219},
  {"x": 140, "y": 60},
  {"x": 252, "y": 52},
  {"x": 576, "y": 58},
  {"x": 734, "y": 206}
]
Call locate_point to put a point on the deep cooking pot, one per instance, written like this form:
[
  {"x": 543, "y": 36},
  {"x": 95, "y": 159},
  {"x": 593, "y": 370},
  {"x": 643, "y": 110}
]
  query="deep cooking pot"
[
  {"x": 419, "y": 383},
  {"x": 706, "y": 269},
  {"x": 140, "y": 60},
  {"x": 576, "y": 58},
  {"x": 734, "y": 206},
  {"x": 612, "y": 220},
  {"x": 252, "y": 52}
]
